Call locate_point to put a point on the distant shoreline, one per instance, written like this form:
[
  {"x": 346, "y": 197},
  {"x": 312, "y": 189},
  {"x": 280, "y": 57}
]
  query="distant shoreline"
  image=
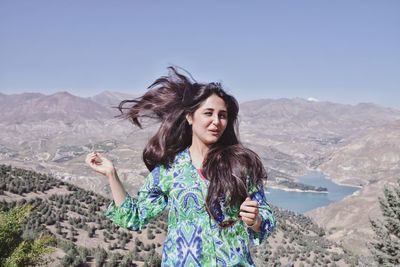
[
  {"x": 349, "y": 185},
  {"x": 296, "y": 190},
  {"x": 327, "y": 176}
]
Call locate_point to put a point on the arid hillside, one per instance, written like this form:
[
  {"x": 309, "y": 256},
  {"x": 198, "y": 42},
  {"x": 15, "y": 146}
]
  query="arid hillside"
[
  {"x": 85, "y": 237},
  {"x": 352, "y": 144}
]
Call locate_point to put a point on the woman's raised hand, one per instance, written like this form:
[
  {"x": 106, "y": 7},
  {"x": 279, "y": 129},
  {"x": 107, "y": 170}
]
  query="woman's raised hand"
[
  {"x": 249, "y": 213},
  {"x": 99, "y": 163}
]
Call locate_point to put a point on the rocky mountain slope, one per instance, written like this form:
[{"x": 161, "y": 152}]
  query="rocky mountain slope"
[
  {"x": 309, "y": 131},
  {"x": 373, "y": 160},
  {"x": 354, "y": 144},
  {"x": 373, "y": 156},
  {"x": 110, "y": 99},
  {"x": 75, "y": 217}
]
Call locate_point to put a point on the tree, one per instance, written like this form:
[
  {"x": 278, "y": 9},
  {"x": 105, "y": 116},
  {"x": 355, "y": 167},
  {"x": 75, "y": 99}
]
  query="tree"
[
  {"x": 386, "y": 247},
  {"x": 123, "y": 244},
  {"x": 113, "y": 261},
  {"x": 100, "y": 256},
  {"x": 14, "y": 249},
  {"x": 153, "y": 259},
  {"x": 91, "y": 231},
  {"x": 127, "y": 260},
  {"x": 70, "y": 257}
]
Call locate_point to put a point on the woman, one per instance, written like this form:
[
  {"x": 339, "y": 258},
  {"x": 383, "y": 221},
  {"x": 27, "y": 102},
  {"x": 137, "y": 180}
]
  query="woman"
[{"x": 211, "y": 184}]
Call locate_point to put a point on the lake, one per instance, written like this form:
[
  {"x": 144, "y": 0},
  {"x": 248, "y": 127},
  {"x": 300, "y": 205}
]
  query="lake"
[{"x": 301, "y": 201}]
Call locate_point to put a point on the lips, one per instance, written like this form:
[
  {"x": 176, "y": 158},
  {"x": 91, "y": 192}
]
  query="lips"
[{"x": 214, "y": 132}]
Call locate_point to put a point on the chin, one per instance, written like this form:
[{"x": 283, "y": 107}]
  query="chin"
[{"x": 212, "y": 141}]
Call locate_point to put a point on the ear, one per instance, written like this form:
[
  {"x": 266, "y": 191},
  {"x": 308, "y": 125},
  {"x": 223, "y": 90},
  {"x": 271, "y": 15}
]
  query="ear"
[{"x": 189, "y": 119}]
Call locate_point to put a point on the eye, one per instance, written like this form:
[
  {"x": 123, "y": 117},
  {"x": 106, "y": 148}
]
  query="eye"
[
  {"x": 208, "y": 113},
  {"x": 222, "y": 116}
]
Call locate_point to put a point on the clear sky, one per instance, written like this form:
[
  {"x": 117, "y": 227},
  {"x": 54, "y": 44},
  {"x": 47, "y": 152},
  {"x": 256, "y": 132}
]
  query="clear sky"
[{"x": 343, "y": 51}]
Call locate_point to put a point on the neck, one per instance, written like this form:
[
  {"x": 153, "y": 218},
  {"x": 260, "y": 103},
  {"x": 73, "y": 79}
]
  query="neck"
[{"x": 198, "y": 152}]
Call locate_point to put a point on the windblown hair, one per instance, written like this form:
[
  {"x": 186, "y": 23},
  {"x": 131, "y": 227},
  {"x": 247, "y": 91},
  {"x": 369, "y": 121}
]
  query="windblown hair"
[
  {"x": 169, "y": 99},
  {"x": 229, "y": 166},
  {"x": 231, "y": 171}
]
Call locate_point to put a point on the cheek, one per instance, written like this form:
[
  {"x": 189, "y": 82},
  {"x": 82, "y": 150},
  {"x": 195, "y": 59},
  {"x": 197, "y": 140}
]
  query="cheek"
[
  {"x": 204, "y": 123},
  {"x": 225, "y": 124},
  {"x": 200, "y": 127}
]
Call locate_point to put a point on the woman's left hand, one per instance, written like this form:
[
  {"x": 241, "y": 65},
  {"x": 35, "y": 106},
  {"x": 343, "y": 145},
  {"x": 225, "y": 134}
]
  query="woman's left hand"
[{"x": 249, "y": 212}]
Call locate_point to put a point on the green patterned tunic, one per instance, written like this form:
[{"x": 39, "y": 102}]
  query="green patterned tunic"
[{"x": 193, "y": 238}]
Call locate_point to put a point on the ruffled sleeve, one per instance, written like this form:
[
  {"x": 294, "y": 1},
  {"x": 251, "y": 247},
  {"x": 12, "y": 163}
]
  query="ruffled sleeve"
[
  {"x": 152, "y": 199},
  {"x": 268, "y": 222}
]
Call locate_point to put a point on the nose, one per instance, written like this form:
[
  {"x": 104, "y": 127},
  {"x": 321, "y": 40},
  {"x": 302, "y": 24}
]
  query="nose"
[{"x": 216, "y": 120}]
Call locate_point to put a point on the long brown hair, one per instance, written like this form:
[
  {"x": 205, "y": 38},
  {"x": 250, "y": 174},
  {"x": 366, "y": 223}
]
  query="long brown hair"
[
  {"x": 229, "y": 166},
  {"x": 232, "y": 170},
  {"x": 169, "y": 99}
]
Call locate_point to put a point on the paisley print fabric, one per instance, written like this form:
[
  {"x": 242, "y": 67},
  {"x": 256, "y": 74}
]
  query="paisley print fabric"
[{"x": 193, "y": 238}]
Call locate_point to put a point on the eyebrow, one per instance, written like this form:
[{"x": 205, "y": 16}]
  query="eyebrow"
[{"x": 211, "y": 109}]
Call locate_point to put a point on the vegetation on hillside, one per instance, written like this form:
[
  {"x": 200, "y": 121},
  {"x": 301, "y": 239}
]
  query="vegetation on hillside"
[
  {"x": 75, "y": 218},
  {"x": 304, "y": 187},
  {"x": 17, "y": 249},
  {"x": 85, "y": 237},
  {"x": 300, "y": 242},
  {"x": 386, "y": 246}
]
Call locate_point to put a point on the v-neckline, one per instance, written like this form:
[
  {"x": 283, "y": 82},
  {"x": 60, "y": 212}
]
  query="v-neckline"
[{"x": 198, "y": 170}]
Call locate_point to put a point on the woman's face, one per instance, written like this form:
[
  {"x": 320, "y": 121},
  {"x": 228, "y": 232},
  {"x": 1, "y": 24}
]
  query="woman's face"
[{"x": 209, "y": 120}]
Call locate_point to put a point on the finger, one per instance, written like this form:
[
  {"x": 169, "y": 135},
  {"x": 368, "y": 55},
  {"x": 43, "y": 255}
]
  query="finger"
[
  {"x": 88, "y": 155},
  {"x": 249, "y": 204},
  {"x": 252, "y": 203},
  {"x": 247, "y": 215},
  {"x": 249, "y": 209},
  {"x": 248, "y": 200},
  {"x": 90, "y": 158},
  {"x": 91, "y": 154},
  {"x": 248, "y": 221},
  {"x": 93, "y": 160},
  {"x": 100, "y": 156}
]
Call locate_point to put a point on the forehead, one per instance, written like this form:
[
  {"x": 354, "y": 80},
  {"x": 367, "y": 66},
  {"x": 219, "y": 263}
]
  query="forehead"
[{"x": 214, "y": 102}]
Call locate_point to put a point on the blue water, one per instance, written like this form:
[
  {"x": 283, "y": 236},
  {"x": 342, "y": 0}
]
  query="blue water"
[{"x": 301, "y": 202}]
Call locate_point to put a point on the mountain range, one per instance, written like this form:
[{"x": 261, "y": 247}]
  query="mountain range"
[{"x": 357, "y": 145}]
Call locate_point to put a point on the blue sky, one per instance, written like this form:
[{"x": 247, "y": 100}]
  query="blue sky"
[{"x": 339, "y": 51}]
